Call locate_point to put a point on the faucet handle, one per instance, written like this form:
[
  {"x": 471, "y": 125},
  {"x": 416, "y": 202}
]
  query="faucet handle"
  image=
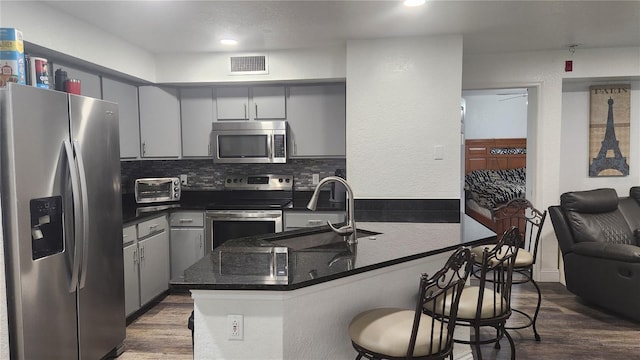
[{"x": 344, "y": 231}]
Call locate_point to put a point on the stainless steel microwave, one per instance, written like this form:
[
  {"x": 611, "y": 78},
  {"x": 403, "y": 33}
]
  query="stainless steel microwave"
[
  {"x": 249, "y": 142},
  {"x": 152, "y": 190}
]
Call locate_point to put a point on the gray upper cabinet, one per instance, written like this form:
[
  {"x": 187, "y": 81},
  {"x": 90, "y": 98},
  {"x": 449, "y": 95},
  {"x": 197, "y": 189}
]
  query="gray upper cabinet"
[
  {"x": 198, "y": 111},
  {"x": 159, "y": 122},
  {"x": 268, "y": 102},
  {"x": 232, "y": 103},
  {"x": 126, "y": 96},
  {"x": 317, "y": 120},
  {"x": 251, "y": 103}
]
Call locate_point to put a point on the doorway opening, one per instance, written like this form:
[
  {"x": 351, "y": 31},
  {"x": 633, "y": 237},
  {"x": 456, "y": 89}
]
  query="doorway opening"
[{"x": 495, "y": 136}]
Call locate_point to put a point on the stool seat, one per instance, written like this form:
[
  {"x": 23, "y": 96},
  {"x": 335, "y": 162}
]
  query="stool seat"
[
  {"x": 491, "y": 306},
  {"x": 388, "y": 330},
  {"x": 523, "y": 258}
]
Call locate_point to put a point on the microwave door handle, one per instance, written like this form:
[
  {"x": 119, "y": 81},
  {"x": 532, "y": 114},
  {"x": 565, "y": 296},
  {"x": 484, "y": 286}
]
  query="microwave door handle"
[{"x": 270, "y": 146}]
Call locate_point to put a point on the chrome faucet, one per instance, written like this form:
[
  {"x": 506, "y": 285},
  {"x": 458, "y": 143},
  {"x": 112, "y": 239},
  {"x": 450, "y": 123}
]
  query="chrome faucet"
[{"x": 349, "y": 229}]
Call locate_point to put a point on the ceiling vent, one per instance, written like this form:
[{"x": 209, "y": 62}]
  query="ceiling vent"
[{"x": 245, "y": 65}]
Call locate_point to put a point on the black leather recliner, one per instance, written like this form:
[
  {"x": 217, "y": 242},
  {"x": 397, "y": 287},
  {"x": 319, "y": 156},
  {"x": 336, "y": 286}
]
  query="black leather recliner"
[{"x": 598, "y": 237}]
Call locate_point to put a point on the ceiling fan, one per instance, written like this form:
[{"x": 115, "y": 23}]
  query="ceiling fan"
[{"x": 511, "y": 96}]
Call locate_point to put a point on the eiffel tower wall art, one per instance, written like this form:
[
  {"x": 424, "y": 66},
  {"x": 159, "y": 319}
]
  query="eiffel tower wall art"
[{"x": 609, "y": 130}]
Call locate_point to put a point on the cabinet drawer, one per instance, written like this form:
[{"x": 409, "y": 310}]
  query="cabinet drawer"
[
  {"x": 310, "y": 219},
  {"x": 187, "y": 218},
  {"x": 128, "y": 234},
  {"x": 152, "y": 226}
]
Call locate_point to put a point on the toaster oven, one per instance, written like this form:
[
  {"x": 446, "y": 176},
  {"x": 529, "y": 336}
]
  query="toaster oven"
[{"x": 152, "y": 190}]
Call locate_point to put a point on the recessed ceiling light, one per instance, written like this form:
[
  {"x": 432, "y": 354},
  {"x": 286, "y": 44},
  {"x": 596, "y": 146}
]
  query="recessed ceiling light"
[
  {"x": 228, "y": 42},
  {"x": 413, "y": 2}
]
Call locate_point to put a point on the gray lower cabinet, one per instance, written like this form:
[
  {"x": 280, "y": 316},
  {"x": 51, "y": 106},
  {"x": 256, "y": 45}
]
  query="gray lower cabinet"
[
  {"x": 154, "y": 266},
  {"x": 146, "y": 262},
  {"x": 131, "y": 279},
  {"x": 187, "y": 240},
  {"x": 301, "y": 219}
]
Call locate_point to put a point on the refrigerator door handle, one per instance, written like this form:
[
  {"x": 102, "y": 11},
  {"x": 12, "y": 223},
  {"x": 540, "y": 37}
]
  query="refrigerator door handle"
[
  {"x": 77, "y": 207},
  {"x": 85, "y": 212}
]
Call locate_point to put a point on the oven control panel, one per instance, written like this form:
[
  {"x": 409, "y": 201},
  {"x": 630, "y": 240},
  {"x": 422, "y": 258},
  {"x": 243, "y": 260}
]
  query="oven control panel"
[{"x": 259, "y": 182}]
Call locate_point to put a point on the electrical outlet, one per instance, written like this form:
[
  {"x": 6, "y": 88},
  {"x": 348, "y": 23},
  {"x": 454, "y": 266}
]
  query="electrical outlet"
[
  {"x": 315, "y": 179},
  {"x": 235, "y": 327},
  {"x": 183, "y": 179}
]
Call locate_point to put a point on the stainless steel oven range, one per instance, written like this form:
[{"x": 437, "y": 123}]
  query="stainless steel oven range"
[{"x": 251, "y": 205}]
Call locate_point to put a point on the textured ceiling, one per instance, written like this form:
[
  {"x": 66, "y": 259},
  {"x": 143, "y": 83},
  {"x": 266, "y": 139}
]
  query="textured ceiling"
[{"x": 486, "y": 26}]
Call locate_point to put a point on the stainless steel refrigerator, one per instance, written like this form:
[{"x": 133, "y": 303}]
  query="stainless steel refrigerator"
[{"x": 62, "y": 223}]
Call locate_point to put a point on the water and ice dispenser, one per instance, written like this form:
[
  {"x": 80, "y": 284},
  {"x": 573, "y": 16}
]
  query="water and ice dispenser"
[{"x": 47, "y": 232}]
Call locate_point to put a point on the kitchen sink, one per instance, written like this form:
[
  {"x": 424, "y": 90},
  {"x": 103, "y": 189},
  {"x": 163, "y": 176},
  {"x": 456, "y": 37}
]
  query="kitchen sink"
[{"x": 319, "y": 240}]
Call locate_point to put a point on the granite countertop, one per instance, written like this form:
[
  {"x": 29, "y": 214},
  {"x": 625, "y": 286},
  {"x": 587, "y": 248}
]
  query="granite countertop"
[
  {"x": 201, "y": 200},
  {"x": 395, "y": 243}
]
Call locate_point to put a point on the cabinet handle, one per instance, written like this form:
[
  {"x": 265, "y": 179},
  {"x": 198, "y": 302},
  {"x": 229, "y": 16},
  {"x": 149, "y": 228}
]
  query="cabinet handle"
[
  {"x": 152, "y": 227},
  {"x": 314, "y": 222},
  {"x": 245, "y": 110},
  {"x": 201, "y": 244},
  {"x": 142, "y": 253},
  {"x": 135, "y": 256},
  {"x": 256, "y": 105},
  {"x": 209, "y": 149},
  {"x": 144, "y": 149},
  {"x": 186, "y": 220}
]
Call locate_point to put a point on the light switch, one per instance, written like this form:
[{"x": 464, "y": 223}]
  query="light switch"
[{"x": 438, "y": 152}]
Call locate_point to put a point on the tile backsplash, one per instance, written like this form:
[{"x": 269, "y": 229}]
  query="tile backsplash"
[{"x": 203, "y": 174}]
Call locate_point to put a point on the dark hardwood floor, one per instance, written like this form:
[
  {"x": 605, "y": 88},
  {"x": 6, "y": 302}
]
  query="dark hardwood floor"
[
  {"x": 570, "y": 329},
  {"x": 161, "y": 332}
]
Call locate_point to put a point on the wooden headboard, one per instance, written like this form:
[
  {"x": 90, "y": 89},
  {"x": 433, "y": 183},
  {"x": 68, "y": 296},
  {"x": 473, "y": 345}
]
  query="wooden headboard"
[{"x": 495, "y": 154}]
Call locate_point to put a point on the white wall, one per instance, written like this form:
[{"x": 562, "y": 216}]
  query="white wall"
[
  {"x": 492, "y": 116},
  {"x": 284, "y": 65},
  {"x": 574, "y": 156},
  {"x": 403, "y": 99},
  {"x": 47, "y": 27},
  {"x": 4, "y": 320},
  {"x": 52, "y": 29},
  {"x": 544, "y": 71}
]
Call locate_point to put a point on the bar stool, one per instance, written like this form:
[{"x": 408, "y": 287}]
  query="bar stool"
[
  {"x": 394, "y": 333},
  {"x": 489, "y": 303},
  {"x": 529, "y": 220}
]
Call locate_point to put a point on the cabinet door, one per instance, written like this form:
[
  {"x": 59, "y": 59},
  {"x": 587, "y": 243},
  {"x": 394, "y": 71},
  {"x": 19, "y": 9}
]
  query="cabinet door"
[
  {"x": 197, "y": 109},
  {"x": 154, "y": 266},
  {"x": 131, "y": 280},
  {"x": 159, "y": 122},
  {"x": 232, "y": 103},
  {"x": 126, "y": 96},
  {"x": 187, "y": 247},
  {"x": 268, "y": 102},
  {"x": 316, "y": 116}
]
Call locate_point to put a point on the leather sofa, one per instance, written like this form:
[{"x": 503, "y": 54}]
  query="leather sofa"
[{"x": 599, "y": 237}]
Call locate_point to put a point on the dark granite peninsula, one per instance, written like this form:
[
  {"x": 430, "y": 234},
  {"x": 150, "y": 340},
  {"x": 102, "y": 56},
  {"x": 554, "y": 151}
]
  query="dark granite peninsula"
[{"x": 306, "y": 315}]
